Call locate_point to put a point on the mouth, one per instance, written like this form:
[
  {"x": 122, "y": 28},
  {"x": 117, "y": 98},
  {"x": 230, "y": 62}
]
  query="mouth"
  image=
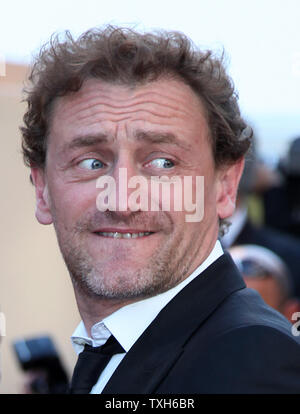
[{"x": 124, "y": 234}]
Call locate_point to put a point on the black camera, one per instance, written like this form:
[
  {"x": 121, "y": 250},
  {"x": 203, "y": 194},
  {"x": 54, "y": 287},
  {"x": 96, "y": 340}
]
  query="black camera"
[{"x": 39, "y": 357}]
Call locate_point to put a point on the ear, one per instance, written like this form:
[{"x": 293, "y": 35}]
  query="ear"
[
  {"x": 227, "y": 186},
  {"x": 42, "y": 212}
]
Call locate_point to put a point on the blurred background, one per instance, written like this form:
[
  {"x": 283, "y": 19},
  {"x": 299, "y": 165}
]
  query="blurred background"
[{"x": 261, "y": 39}]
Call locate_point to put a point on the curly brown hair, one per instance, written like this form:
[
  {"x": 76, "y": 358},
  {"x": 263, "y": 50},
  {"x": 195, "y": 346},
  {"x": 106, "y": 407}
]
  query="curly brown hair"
[{"x": 124, "y": 56}]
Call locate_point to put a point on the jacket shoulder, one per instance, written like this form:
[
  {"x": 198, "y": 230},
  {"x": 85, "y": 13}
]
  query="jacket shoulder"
[
  {"x": 244, "y": 347},
  {"x": 255, "y": 359}
]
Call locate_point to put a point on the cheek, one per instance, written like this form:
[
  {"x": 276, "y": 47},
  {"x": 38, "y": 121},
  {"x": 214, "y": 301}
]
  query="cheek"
[{"x": 72, "y": 201}]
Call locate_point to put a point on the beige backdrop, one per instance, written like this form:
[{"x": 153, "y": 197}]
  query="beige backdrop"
[{"x": 36, "y": 295}]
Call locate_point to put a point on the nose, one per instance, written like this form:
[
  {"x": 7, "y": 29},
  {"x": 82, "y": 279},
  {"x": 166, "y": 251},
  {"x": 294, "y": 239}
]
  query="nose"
[
  {"x": 123, "y": 171},
  {"x": 115, "y": 192}
]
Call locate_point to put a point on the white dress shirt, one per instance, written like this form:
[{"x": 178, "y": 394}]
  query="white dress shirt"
[{"x": 128, "y": 323}]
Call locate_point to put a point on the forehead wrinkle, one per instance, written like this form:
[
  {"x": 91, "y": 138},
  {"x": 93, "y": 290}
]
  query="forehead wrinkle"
[
  {"x": 83, "y": 109},
  {"x": 122, "y": 116},
  {"x": 85, "y": 103},
  {"x": 126, "y": 94},
  {"x": 92, "y": 108}
]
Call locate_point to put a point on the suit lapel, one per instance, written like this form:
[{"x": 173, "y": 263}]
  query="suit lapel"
[
  {"x": 141, "y": 370},
  {"x": 155, "y": 352}
]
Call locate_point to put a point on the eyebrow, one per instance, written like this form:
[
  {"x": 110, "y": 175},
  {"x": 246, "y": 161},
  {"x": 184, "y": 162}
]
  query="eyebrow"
[
  {"x": 86, "y": 141},
  {"x": 145, "y": 136},
  {"x": 161, "y": 138}
]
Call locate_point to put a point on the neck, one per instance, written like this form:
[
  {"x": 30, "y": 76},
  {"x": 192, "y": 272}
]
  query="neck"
[{"x": 95, "y": 309}]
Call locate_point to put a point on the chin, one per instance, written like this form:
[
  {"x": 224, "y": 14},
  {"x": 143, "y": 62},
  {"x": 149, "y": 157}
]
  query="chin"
[{"x": 118, "y": 283}]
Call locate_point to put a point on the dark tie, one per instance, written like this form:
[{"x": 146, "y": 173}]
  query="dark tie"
[{"x": 91, "y": 362}]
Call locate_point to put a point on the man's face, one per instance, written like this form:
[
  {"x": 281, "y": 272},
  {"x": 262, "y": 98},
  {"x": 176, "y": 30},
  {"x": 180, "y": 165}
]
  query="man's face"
[
  {"x": 152, "y": 130},
  {"x": 268, "y": 288}
]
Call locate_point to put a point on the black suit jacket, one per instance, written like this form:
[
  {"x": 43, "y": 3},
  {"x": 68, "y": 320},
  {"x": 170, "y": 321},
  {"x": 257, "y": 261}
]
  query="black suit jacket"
[
  {"x": 215, "y": 336},
  {"x": 285, "y": 246}
]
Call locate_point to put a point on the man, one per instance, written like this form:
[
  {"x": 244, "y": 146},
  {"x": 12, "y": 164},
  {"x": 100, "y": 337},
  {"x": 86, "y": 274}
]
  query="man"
[
  {"x": 265, "y": 272},
  {"x": 243, "y": 230},
  {"x": 160, "y": 285},
  {"x": 282, "y": 201}
]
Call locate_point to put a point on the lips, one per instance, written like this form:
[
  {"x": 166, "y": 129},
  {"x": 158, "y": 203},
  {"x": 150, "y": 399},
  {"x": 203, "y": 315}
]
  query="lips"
[{"x": 123, "y": 235}]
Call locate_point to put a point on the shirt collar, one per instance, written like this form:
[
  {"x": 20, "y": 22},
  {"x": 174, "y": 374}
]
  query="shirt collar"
[{"x": 129, "y": 322}]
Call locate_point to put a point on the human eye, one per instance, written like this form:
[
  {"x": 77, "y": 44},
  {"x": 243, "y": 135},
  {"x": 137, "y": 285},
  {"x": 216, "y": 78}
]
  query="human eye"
[
  {"x": 161, "y": 163},
  {"x": 91, "y": 164}
]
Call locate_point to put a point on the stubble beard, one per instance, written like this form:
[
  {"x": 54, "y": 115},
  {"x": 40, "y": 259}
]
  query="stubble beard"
[{"x": 167, "y": 266}]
